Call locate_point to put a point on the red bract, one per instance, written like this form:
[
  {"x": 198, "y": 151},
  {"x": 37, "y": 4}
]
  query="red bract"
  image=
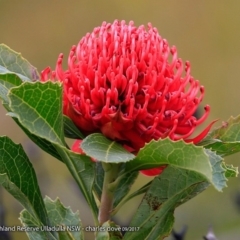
[{"x": 127, "y": 83}]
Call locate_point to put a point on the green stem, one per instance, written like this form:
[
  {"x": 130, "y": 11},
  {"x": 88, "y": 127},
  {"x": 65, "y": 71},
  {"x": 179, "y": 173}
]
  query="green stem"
[{"x": 106, "y": 205}]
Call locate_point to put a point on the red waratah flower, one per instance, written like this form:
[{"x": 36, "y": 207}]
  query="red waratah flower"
[{"x": 127, "y": 83}]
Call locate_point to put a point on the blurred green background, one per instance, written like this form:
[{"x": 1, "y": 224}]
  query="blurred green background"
[{"x": 206, "y": 33}]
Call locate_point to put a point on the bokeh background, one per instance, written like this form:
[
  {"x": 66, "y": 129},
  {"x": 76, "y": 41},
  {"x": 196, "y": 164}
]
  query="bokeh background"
[{"x": 205, "y": 32}]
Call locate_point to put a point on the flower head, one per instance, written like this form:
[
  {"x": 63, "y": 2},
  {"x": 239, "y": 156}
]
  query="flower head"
[{"x": 127, "y": 83}]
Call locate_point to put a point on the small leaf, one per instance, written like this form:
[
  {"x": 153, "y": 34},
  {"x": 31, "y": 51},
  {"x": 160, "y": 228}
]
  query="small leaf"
[
  {"x": 225, "y": 140},
  {"x": 224, "y": 148},
  {"x": 65, "y": 219},
  {"x": 138, "y": 192},
  {"x": 32, "y": 228},
  {"x": 14, "y": 62},
  {"x": 231, "y": 171},
  {"x": 208, "y": 142},
  {"x": 70, "y": 130},
  {"x": 102, "y": 149},
  {"x": 7, "y": 81},
  {"x": 5, "y": 73},
  {"x": 115, "y": 234},
  {"x": 124, "y": 187},
  {"x": 155, "y": 215},
  {"x": 99, "y": 178},
  {"x": 17, "y": 176},
  {"x": 218, "y": 174}
]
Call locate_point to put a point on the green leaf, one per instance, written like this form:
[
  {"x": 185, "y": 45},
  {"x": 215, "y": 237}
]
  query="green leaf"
[
  {"x": 65, "y": 219},
  {"x": 70, "y": 129},
  {"x": 179, "y": 154},
  {"x": 39, "y": 119},
  {"x": 14, "y": 62},
  {"x": 112, "y": 232},
  {"x": 32, "y": 228},
  {"x": 99, "y": 178},
  {"x": 5, "y": 73},
  {"x": 155, "y": 215},
  {"x": 38, "y": 109},
  {"x": 102, "y": 149},
  {"x": 44, "y": 144},
  {"x": 224, "y": 148},
  {"x": 225, "y": 140},
  {"x": 124, "y": 187},
  {"x": 65, "y": 223},
  {"x": 231, "y": 171},
  {"x": 38, "y": 104},
  {"x": 65, "y": 236},
  {"x": 218, "y": 172},
  {"x": 183, "y": 155},
  {"x": 140, "y": 191},
  {"x": 8, "y": 81},
  {"x": 17, "y": 176}
]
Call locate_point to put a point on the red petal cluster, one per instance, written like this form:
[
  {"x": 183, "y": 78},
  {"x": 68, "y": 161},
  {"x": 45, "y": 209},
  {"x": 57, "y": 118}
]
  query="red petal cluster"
[{"x": 127, "y": 83}]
